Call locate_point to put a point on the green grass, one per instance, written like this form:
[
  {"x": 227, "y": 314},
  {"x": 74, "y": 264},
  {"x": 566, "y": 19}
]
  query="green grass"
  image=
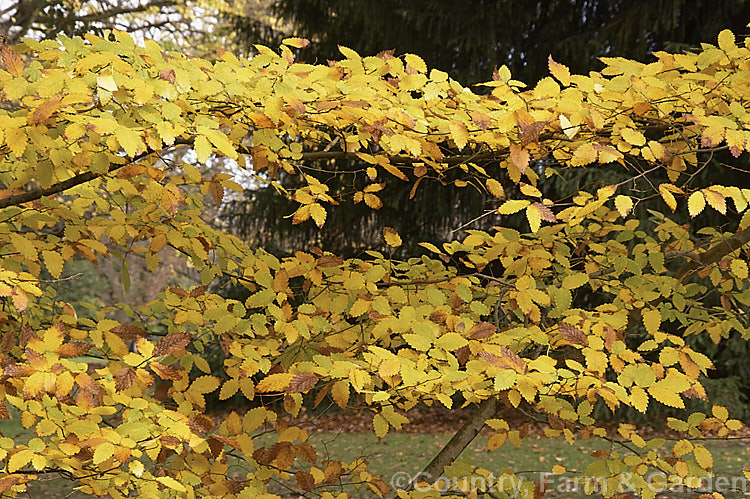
[{"x": 409, "y": 453}]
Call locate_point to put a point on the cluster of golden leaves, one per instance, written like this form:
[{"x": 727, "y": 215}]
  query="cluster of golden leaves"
[{"x": 88, "y": 129}]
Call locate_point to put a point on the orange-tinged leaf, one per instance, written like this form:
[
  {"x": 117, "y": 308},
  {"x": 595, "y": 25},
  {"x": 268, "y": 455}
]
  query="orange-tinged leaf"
[
  {"x": 716, "y": 200},
  {"x": 340, "y": 393},
  {"x": 520, "y": 157},
  {"x": 44, "y": 111},
  {"x": 124, "y": 378},
  {"x": 11, "y": 61},
  {"x": 559, "y": 71},
  {"x": 296, "y": 42}
]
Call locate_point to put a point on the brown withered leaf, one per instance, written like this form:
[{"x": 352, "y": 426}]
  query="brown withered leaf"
[
  {"x": 201, "y": 423},
  {"x": 530, "y": 132},
  {"x": 329, "y": 261},
  {"x": 124, "y": 378},
  {"x": 386, "y": 55},
  {"x": 129, "y": 332},
  {"x": 482, "y": 120},
  {"x": 10, "y": 481},
  {"x": 463, "y": 354},
  {"x": 227, "y": 441},
  {"x": 302, "y": 382},
  {"x": 508, "y": 360},
  {"x": 482, "y": 330},
  {"x": 197, "y": 291},
  {"x": 165, "y": 372},
  {"x": 305, "y": 480},
  {"x": 172, "y": 343},
  {"x": 17, "y": 371},
  {"x": 169, "y": 441},
  {"x": 573, "y": 335},
  {"x": 73, "y": 349},
  {"x": 26, "y": 334},
  {"x": 167, "y": 75},
  {"x": 307, "y": 452},
  {"x": 4, "y": 414},
  {"x": 545, "y": 213},
  {"x": 217, "y": 191},
  {"x": 87, "y": 383},
  {"x": 235, "y": 486},
  {"x": 9, "y": 341}
]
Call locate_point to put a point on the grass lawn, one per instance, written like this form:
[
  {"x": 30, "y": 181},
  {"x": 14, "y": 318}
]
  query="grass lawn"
[{"x": 410, "y": 452}]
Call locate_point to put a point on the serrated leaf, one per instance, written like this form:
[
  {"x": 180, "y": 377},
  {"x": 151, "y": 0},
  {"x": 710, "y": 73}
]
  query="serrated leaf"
[
  {"x": 520, "y": 157},
  {"x": 513, "y": 206},
  {"x": 696, "y": 203},
  {"x": 559, "y": 71},
  {"x": 380, "y": 424},
  {"x": 296, "y": 42},
  {"x": 667, "y": 196},
  {"x": 19, "y": 460},
  {"x": 652, "y": 320},
  {"x": 495, "y": 188},
  {"x": 703, "y": 457},
  {"x": 662, "y": 391},
  {"x": 318, "y": 214},
  {"x": 568, "y": 129},
  {"x": 633, "y": 137},
  {"x": 391, "y": 237},
  {"x": 623, "y": 204},
  {"x": 103, "y": 451},
  {"x": 277, "y": 382},
  {"x": 459, "y": 133},
  {"x": 726, "y": 40},
  {"x": 11, "y": 61},
  {"x": 303, "y": 382},
  {"x": 534, "y": 218},
  {"x": 340, "y": 393}
]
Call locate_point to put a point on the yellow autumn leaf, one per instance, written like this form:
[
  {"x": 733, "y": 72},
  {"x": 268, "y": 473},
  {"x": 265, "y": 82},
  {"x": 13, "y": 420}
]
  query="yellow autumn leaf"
[
  {"x": 726, "y": 40},
  {"x": 391, "y": 237},
  {"x": 664, "y": 392},
  {"x": 584, "y": 155},
  {"x": 667, "y": 196},
  {"x": 534, "y": 218},
  {"x": 696, "y": 203},
  {"x": 318, "y": 214},
  {"x": 568, "y": 129},
  {"x": 652, "y": 320},
  {"x": 530, "y": 190},
  {"x": 495, "y": 188},
  {"x": 513, "y": 206},
  {"x": 703, "y": 457},
  {"x": 103, "y": 451},
  {"x": 19, "y": 460},
  {"x": 459, "y": 133},
  {"x": 633, "y": 137},
  {"x": 380, "y": 424},
  {"x": 623, "y": 204},
  {"x": 340, "y": 393}
]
